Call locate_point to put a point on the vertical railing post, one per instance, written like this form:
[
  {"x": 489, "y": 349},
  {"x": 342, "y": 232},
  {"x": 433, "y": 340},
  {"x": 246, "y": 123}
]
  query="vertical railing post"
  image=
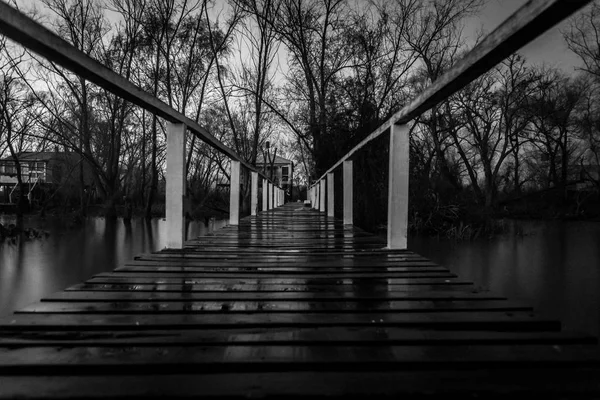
[
  {"x": 318, "y": 198},
  {"x": 269, "y": 190},
  {"x": 348, "y": 193},
  {"x": 175, "y": 185},
  {"x": 273, "y": 188},
  {"x": 253, "y": 192},
  {"x": 322, "y": 190},
  {"x": 264, "y": 196},
  {"x": 330, "y": 203},
  {"x": 397, "y": 229},
  {"x": 234, "y": 194}
]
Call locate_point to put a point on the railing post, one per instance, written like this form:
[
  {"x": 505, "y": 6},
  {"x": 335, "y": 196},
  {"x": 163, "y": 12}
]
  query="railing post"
[
  {"x": 175, "y": 185},
  {"x": 253, "y": 192},
  {"x": 397, "y": 229},
  {"x": 318, "y": 198},
  {"x": 234, "y": 194},
  {"x": 273, "y": 188},
  {"x": 330, "y": 204},
  {"x": 264, "y": 196},
  {"x": 269, "y": 190},
  {"x": 322, "y": 189},
  {"x": 348, "y": 193}
]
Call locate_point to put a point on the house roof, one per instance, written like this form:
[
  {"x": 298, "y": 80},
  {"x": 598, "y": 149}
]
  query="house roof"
[
  {"x": 278, "y": 160},
  {"x": 40, "y": 155}
]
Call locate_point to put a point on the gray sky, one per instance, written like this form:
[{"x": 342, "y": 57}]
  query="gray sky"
[{"x": 550, "y": 48}]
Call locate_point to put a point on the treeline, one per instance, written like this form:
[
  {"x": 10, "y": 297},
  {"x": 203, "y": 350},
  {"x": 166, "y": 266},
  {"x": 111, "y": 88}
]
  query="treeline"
[{"x": 315, "y": 76}]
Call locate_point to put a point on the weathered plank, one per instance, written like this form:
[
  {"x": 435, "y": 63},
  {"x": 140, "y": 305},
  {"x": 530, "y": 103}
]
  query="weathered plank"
[
  {"x": 488, "y": 383},
  {"x": 269, "y": 306},
  {"x": 361, "y": 336},
  {"x": 278, "y": 295},
  {"x": 463, "y": 320}
]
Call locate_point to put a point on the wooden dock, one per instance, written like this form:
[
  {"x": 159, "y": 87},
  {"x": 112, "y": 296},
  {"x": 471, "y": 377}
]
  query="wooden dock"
[{"x": 290, "y": 303}]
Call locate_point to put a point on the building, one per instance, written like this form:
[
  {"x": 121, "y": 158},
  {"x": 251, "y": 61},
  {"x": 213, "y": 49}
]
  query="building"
[
  {"x": 279, "y": 169},
  {"x": 41, "y": 170}
]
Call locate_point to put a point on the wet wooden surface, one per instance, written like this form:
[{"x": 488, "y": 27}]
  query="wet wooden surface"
[{"x": 290, "y": 303}]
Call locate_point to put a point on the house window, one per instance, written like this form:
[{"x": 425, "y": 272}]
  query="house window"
[
  {"x": 285, "y": 173},
  {"x": 9, "y": 168},
  {"x": 38, "y": 169}
]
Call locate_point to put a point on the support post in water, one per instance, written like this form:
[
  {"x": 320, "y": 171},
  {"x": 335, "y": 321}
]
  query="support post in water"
[
  {"x": 234, "y": 194},
  {"x": 322, "y": 189},
  {"x": 176, "y": 178},
  {"x": 253, "y": 192},
  {"x": 397, "y": 227},
  {"x": 348, "y": 193},
  {"x": 264, "y": 195},
  {"x": 330, "y": 204}
]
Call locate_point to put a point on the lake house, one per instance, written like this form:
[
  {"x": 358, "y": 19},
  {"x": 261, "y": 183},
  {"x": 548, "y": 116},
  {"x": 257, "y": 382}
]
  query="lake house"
[{"x": 41, "y": 170}]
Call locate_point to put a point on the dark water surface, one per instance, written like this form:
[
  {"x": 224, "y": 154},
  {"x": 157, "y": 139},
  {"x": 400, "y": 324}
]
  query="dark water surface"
[
  {"x": 35, "y": 268},
  {"x": 554, "y": 266}
]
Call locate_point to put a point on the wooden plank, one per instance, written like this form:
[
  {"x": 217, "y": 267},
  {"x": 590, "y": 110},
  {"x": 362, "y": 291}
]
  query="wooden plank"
[
  {"x": 300, "y": 263},
  {"x": 280, "y": 270},
  {"x": 463, "y": 320},
  {"x": 407, "y": 384},
  {"x": 272, "y": 306},
  {"x": 188, "y": 282},
  {"x": 218, "y": 286},
  {"x": 278, "y": 295},
  {"x": 361, "y": 336},
  {"x": 488, "y": 383},
  {"x": 270, "y": 275},
  {"x": 244, "y": 358}
]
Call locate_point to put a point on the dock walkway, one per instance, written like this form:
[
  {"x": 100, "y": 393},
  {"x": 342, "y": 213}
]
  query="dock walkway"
[{"x": 288, "y": 303}]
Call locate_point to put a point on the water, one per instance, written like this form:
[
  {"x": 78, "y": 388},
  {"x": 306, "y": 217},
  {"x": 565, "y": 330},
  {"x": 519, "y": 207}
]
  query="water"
[
  {"x": 554, "y": 266},
  {"x": 32, "y": 269}
]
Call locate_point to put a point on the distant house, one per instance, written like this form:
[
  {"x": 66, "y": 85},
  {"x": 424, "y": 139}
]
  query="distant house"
[
  {"x": 283, "y": 170},
  {"x": 42, "y": 169}
]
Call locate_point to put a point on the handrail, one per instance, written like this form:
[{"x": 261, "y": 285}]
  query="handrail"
[
  {"x": 24, "y": 30},
  {"x": 524, "y": 25}
]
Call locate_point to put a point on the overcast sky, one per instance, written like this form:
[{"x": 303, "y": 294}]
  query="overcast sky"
[{"x": 550, "y": 48}]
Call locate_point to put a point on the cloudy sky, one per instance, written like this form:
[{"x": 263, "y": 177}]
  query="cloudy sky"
[{"x": 549, "y": 48}]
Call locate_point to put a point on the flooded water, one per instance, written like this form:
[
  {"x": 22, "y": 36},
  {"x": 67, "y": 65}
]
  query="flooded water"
[
  {"x": 554, "y": 266},
  {"x": 35, "y": 268}
]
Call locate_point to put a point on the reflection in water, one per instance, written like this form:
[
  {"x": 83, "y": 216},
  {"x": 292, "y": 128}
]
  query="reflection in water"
[
  {"x": 32, "y": 269},
  {"x": 555, "y": 267}
]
